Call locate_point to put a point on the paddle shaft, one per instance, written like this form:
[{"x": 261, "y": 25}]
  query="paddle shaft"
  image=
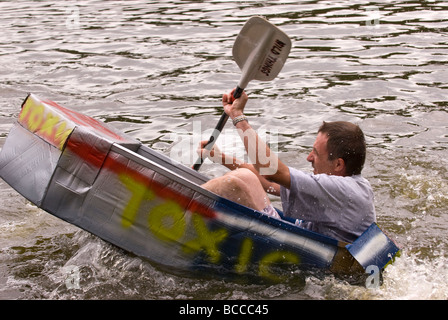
[
  {"x": 221, "y": 123},
  {"x": 260, "y": 50}
]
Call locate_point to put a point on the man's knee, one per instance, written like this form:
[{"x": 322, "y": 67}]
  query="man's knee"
[
  {"x": 231, "y": 182},
  {"x": 244, "y": 175},
  {"x": 242, "y": 186}
]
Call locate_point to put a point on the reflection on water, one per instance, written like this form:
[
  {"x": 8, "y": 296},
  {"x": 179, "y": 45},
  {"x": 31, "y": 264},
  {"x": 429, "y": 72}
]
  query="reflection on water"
[{"x": 152, "y": 68}]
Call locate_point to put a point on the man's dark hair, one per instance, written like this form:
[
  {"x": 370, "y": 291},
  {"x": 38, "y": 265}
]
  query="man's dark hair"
[{"x": 346, "y": 140}]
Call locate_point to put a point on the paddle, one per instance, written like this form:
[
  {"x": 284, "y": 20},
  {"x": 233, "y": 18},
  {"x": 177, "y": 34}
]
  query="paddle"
[{"x": 260, "y": 50}]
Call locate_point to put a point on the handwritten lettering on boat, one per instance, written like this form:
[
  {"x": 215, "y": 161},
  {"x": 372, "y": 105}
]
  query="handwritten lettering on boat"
[
  {"x": 170, "y": 221},
  {"x": 54, "y": 123}
]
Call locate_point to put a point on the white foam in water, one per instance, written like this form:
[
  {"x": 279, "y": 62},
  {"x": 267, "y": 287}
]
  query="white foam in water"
[
  {"x": 413, "y": 278},
  {"x": 409, "y": 278}
]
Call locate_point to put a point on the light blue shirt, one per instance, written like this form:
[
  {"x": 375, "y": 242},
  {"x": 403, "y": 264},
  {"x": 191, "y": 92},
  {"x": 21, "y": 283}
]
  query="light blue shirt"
[{"x": 339, "y": 207}]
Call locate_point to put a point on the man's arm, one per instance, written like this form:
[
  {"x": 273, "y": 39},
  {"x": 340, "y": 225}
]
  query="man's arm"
[
  {"x": 266, "y": 164},
  {"x": 232, "y": 163},
  {"x": 269, "y": 186}
]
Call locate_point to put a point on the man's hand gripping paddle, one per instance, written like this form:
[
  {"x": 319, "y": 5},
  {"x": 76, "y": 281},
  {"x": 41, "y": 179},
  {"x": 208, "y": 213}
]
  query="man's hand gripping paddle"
[{"x": 260, "y": 50}]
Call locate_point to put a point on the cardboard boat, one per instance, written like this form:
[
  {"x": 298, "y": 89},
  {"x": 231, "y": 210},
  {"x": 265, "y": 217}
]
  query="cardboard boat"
[{"x": 89, "y": 174}]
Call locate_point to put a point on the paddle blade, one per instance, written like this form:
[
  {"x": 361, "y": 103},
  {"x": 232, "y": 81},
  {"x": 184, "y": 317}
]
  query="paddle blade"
[{"x": 260, "y": 50}]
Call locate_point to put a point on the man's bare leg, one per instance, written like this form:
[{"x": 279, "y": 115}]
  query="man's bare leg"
[{"x": 241, "y": 186}]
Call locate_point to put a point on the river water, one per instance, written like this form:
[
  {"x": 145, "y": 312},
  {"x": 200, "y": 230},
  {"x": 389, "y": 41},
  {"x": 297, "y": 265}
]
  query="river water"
[{"x": 157, "y": 69}]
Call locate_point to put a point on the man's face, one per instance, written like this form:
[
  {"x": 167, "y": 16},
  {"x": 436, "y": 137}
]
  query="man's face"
[{"x": 319, "y": 156}]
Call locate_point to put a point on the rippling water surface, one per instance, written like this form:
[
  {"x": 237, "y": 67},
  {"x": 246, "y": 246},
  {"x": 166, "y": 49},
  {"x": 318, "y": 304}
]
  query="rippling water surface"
[{"x": 153, "y": 68}]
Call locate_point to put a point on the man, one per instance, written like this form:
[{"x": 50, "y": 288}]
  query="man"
[{"x": 335, "y": 200}]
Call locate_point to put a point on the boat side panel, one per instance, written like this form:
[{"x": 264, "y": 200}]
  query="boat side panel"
[{"x": 27, "y": 163}]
